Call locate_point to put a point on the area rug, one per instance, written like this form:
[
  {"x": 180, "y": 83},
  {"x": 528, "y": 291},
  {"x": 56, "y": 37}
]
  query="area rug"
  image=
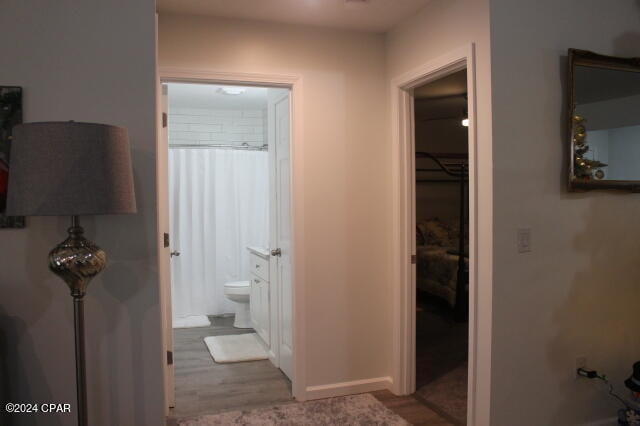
[
  {"x": 448, "y": 394},
  {"x": 345, "y": 410},
  {"x": 192, "y": 321},
  {"x": 235, "y": 348}
]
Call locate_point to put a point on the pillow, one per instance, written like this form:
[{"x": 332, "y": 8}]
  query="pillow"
[{"x": 435, "y": 232}]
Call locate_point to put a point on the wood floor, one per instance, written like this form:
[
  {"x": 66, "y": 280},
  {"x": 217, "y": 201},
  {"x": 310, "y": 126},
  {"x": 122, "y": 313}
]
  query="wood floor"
[
  {"x": 412, "y": 409},
  {"x": 203, "y": 386},
  {"x": 441, "y": 342},
  {"x": 441, "y": 359}
]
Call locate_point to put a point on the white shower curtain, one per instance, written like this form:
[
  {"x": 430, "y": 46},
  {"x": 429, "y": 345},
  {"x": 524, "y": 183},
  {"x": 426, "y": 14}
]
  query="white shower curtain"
[{"x": 219, "y": 205}]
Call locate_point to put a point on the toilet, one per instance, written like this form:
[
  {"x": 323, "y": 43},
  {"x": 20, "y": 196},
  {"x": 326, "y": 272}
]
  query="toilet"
[{"x": 238, "y": 292}]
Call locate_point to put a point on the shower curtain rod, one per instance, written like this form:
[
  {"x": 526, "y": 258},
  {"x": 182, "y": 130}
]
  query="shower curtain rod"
[{"x": 244, "y": 146}]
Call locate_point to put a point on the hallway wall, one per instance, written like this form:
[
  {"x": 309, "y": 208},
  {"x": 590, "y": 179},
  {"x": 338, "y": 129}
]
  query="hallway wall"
[
  {"x": 441, "y": 27},
  {"x": 345, "y": 169},
  {"x": 89, "y": 61},
  {"x": 575, "y": 294}
]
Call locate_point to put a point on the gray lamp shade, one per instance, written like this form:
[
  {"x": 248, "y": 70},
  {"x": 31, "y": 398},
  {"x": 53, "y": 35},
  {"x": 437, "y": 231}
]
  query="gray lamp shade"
[{"x": 69, "y": 168}]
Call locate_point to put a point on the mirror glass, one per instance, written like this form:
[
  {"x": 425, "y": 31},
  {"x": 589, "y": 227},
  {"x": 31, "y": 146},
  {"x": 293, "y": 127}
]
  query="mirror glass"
[{"x": 605, "y": 121}]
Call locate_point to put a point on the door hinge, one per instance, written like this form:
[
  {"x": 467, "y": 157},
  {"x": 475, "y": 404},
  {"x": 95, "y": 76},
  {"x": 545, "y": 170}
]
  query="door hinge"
[
  {"x": 164, "y": 119},
  {"x": 169, "y": 357},
  {"x": 166, "y": 239},
  {"x": 414, "y": 259}
]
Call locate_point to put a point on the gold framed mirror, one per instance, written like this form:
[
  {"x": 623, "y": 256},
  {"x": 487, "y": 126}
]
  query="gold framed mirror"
[{"x": 604, "y": 122}]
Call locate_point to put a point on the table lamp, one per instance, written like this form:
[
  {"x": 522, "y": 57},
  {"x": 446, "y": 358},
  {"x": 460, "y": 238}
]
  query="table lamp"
[{"x": 72, "y": 169}]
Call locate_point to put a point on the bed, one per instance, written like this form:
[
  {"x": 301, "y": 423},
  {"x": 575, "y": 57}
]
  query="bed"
[
  {"x": 438, "y": 262},
  {"x": 442, "y": 260}
]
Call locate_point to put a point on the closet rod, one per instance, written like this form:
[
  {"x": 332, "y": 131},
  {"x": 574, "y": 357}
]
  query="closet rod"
[{"x": 245, "y": 146}]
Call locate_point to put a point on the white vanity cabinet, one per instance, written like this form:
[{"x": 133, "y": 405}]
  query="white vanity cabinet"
[{"x": 259, "y": 293}]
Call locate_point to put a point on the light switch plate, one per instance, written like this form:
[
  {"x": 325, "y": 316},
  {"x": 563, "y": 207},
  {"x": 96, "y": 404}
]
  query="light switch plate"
[{"x": 524, "y": 240}]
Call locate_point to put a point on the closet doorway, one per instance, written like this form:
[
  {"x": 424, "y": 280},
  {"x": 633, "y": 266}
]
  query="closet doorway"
[{"x": 228, "y": 309}]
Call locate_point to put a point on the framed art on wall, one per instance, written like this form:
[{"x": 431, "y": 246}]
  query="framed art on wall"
[{"x": 10, "y": 115}]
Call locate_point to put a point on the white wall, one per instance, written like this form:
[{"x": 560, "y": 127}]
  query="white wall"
[
  {"x": 617, "y": 112},
  {"x": 441, "y": 27},
  {"x": 84, "y": 61},
  {"x": 624, "y": 153},
  {"x": 613, "y": 135},
  {"x": 598, "y": 143},
  {"x": 576, "y": 293},
  {"x": 619, "y": 148},
  {"x": 217, "y": 126},
  {"x": 346, "y": 174}
]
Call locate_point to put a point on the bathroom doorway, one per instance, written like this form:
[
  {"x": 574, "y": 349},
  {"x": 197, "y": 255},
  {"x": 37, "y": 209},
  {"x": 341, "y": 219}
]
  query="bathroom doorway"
[{"x": 230, "y": 304}]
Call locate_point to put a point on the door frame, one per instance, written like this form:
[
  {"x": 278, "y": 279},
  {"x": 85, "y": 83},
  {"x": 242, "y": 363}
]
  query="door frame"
[
  {"x": 294, "y": 84},
  {"x": 404, "y": 218}
]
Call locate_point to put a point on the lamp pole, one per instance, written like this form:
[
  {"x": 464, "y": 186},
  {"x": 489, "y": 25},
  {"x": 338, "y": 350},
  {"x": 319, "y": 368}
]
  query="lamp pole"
[
  {"x": 77, "y": 260},
  {"x": 81, "y": 376}
]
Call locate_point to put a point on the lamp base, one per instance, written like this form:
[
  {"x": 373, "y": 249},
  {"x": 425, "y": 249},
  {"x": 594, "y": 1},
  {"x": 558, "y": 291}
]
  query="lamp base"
[{"x": 77, "y": 260}]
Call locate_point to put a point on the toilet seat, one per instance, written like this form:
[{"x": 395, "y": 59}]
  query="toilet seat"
[
  {"x": 237, "y": 287},
  {"x": 237, "y": 284}
]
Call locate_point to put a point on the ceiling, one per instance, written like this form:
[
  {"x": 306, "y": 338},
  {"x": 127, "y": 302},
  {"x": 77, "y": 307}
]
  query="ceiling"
[
  {"x": 451, "y": 85},
  {"x": 190, "y": 95},
  {"x": 443, "y": 98},
  {"x": 363, "y": 15}
]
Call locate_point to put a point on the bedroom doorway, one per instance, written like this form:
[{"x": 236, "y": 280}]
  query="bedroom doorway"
[
  {"x": 440, "y": 115},
  {"x": 480, "y": 227}
]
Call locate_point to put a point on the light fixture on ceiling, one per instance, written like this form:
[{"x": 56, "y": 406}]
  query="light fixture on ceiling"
[
  {"x": 465, "y": 114},
  {"x": 232, "y": 90}
]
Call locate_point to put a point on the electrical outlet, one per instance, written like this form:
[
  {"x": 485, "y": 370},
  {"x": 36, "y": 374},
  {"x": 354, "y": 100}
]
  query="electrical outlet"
[{"x": 524, "y": 240}]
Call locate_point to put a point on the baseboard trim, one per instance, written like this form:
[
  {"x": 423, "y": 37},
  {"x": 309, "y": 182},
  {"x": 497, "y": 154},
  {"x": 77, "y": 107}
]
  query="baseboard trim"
[{"x": 348, "y": 388}]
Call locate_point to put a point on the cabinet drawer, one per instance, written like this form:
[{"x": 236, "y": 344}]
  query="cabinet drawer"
[{"x": 259, "y": 266}]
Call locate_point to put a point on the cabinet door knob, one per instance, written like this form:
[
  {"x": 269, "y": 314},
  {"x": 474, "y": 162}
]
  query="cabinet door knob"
[
  {"x": 175, "y": 253},
  {"x": 276, "y": 252}
]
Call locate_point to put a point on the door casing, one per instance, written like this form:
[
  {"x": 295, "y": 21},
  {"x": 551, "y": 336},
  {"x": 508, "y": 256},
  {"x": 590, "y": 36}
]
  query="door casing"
[
  {"x": 404, "y": 273},
  {"x": 294, "y": 84}
]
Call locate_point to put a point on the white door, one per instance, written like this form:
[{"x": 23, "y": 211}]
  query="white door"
[
  {"x": 281, "y": 284},
  {"x": 164, "y": 249}
]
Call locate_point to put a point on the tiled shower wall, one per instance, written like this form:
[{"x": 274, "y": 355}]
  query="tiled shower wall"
[{"x": 217, "y": 126}]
